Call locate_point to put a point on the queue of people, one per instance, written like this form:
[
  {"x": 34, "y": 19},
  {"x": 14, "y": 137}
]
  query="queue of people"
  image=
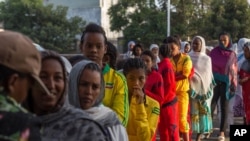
[{"x": 162, "y": 91}]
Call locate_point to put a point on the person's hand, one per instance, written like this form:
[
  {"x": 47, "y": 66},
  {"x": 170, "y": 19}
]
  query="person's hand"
[
  {"x": 138, "y": 94},
  {"x": 178, "y": 73},
  {"x": 245, "y": 79},
  {"x": 232, "y": 88}
]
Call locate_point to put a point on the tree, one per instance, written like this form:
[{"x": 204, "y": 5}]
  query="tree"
[
  {"x": 45, "y": 25},
  {"x": 189, "y": 18},
  {"x": 232, "y": 16},
  {"x": 141, "y": 21},
  {"x": 132, "y": 18}
]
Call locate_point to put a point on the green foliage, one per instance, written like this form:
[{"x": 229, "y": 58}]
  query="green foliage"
[
  {"x": 45, "y": 25},
  {"x": 141, "y": 21},
  {"x": 232, "y": 16},
  {"x": 145, "y": 22}
]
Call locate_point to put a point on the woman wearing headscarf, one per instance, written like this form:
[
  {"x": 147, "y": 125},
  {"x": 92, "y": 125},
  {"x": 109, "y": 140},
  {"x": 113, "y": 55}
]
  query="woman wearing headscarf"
[
  {"x": 244, "y": 80},
  {"x": 60, "y": 121},
  {"x": 87, "y": 93},
  {"x": 224, "y": 67},
  {"x": 129, "y": 53},
  {"x": 238, "y": 103},
  {"x": 185, "y": 47},
  {"x": 154, "y": 48},
  {"x": 202, "y": 85}
]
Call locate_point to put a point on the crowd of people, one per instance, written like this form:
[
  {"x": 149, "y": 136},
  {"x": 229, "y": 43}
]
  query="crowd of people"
[{"x": 169, "y": 90}]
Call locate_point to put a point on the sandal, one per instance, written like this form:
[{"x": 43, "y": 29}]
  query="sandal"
[
  {"x": 221, "y": 138},
  {"x": 207, "y": 135}
]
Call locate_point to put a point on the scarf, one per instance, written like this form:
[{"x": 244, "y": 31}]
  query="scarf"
[
  {"x": 229, "y": 47},
  {"x": 59, "y": 124},
  {"x": 240, "y": 53},
  {"x": 246, "y": 64},
  {"x": 203, "y": 76},
  {"x": 183, "y": 44},
  {"x": 101, "y": 113}
]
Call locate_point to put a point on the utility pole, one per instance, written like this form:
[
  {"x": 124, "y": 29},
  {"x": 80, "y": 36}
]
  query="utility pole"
[{"x": 168, "y": 17}]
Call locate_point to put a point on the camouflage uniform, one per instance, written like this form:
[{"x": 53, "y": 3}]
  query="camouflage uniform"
[{"x": 15, "y": 123}]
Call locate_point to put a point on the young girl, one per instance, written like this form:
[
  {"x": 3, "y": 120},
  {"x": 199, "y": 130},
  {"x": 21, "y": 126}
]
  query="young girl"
[
  {"x": 244, "y": 80},
  {"x": 182, "y": 65},
  {"x": 144, "y": 111},
  {"x": 169, "y": 120},
  {"x": 137, "y": 50},
  {"x": 154, "y": 81}
]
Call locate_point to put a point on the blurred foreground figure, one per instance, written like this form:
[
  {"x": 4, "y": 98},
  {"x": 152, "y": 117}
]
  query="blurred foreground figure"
[{"x": 20, "y": 64}]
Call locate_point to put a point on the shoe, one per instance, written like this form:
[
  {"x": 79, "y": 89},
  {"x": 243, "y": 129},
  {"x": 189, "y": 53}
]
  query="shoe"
[
  {"x": 203, "y": 136},
  {"x": 221, "y": 138},
  {"x": 207, "y": 135}
]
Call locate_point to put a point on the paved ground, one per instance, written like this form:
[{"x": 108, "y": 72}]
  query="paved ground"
[{"x": 213, "y": 136}]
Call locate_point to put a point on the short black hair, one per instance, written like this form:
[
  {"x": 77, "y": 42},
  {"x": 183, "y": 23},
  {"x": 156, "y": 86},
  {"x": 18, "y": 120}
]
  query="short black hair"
[
  {"x": 133, "y": 63},
  {"x": 77, "y": 58},
  {"x": 150, "y": 54},
  {"x": 172, "y": 39},
  {"x": 120, "y": 63},
  {"x": 138, "y": 45},
  {"x": 224, "y": 33},
  {"x": 112, "y": 53},
  {"x": 5, "y": 74},
  {"x": 165, "y": 51},
  {"x": 93, "y": 28}
]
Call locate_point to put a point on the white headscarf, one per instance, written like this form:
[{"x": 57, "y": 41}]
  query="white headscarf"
[
  {"x": 240, "y": 53},
  {"x": 241, "y": 43},
  {"x": 129, "y": 53},
  {"x": 67, "y": 64},
  {"x": 202, "y": 78},
  {"x": 235, "y": 48},
  {"x": 152, "y": 46},
  {"x": 183, "y": 44}
]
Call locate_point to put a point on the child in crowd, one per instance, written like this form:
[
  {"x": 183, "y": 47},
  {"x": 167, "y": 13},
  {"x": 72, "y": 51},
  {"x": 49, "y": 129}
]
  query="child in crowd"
[
  {"x": 182, "y": 65},
  {"x": 154, "y": 81},
  {"x": 169, "y": 120},
  {"x": 144, "y": 111},
  {"x": 94, "y": 46}
]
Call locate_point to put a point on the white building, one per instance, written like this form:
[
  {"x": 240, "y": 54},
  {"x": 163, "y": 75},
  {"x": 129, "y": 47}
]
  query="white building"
[{"x": 91, "y": 11}]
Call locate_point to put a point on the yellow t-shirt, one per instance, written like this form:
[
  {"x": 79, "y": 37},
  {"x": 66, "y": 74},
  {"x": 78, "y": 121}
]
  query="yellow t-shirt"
[{"x": 143, "y": 119}]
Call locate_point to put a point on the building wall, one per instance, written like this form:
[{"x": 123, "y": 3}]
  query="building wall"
[{"x": 91, "y": 11}]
